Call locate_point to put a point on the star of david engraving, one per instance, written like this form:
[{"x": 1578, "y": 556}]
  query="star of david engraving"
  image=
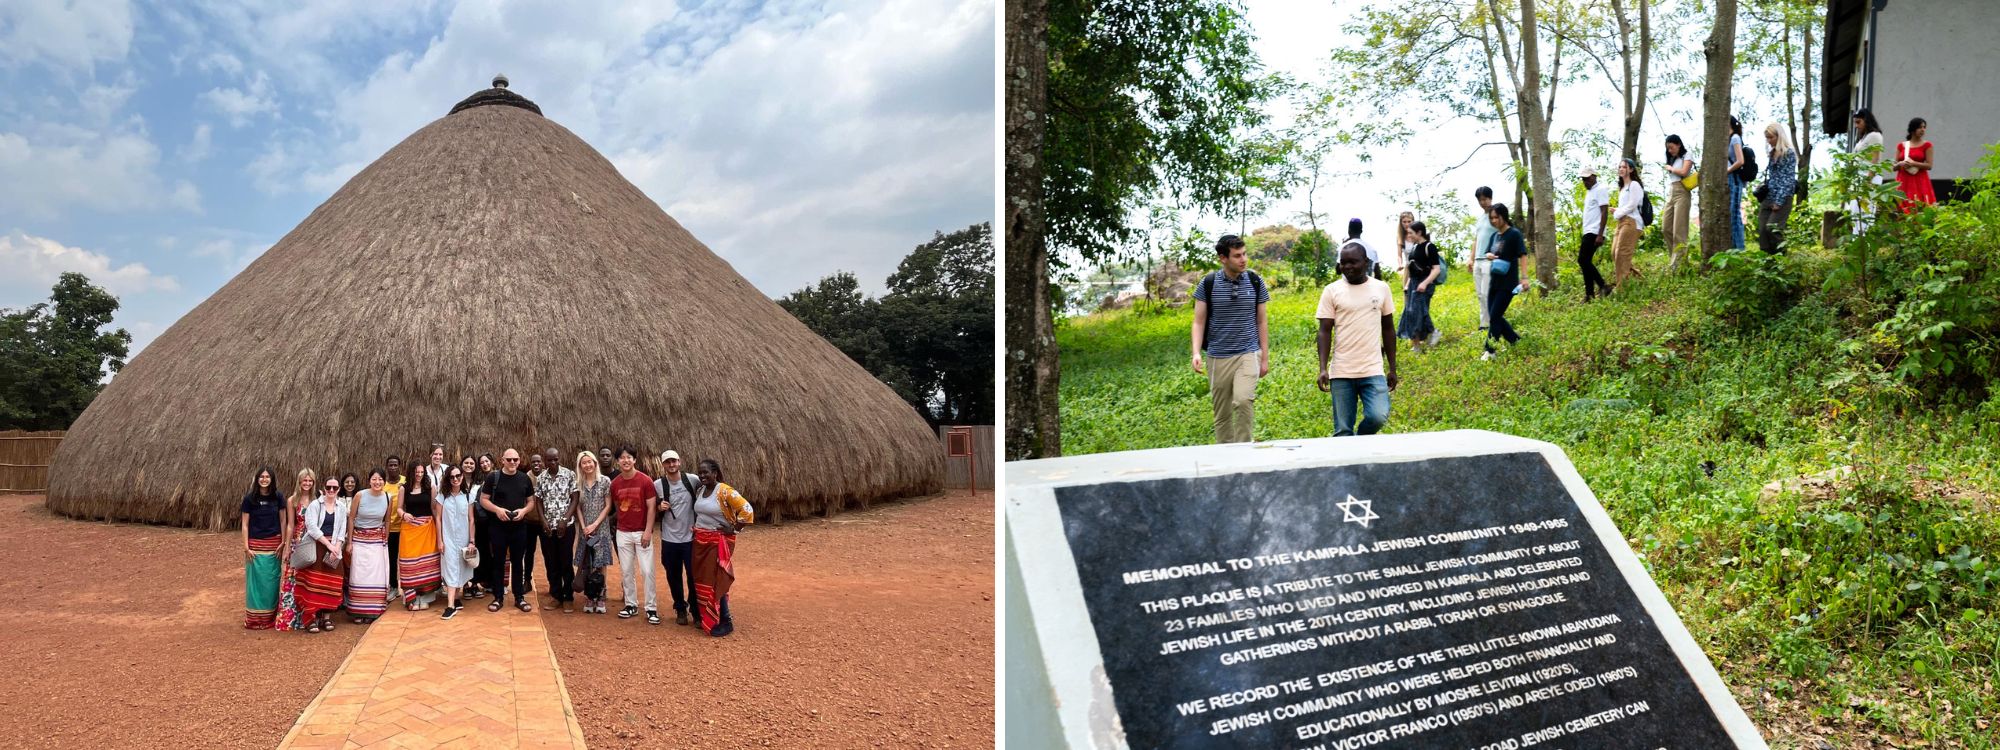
[{"x": 1347, "y": 510}]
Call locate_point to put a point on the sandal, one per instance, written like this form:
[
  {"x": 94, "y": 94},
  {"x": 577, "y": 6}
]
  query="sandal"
[
  {"x": 495, "y": 606},
  {"x": 523, "y": 605},
  {"x": 313, "y": 628}
]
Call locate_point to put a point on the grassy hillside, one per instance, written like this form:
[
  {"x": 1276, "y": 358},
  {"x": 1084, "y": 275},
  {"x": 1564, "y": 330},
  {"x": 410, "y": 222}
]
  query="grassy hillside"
[{"x": 1846, "y": 611}]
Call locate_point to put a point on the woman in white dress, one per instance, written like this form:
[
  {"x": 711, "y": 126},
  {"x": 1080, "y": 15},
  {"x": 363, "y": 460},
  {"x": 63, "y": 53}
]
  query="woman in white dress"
[
  {"x": 1870, "y": 136},
  {"x": 453, "y": 509}
]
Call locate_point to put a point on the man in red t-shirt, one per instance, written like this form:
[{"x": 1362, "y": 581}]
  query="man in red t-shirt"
[{"x": 632, "y": 503}]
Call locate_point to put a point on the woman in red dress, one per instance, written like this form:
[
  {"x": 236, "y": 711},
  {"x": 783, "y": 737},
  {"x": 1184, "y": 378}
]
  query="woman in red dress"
[{"x": 1914, "y": 157}]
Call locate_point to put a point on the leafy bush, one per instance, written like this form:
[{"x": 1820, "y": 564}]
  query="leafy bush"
[{"x": 1750, "y": 287}]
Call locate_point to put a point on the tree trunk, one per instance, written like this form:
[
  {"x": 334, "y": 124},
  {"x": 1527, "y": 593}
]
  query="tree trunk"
[
  {"x": 1806, "y": 115},
  {"x": 1514, "y": 147},
  {"x": 1629, "y": 145},
  {"x": 1033, "y": 429},
  {"x": 1536, "y": 127},
  {"x": 1720, "y": 51}
]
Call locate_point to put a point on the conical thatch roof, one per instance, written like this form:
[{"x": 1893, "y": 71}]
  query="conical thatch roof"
[{"x": 557, "y": 305}]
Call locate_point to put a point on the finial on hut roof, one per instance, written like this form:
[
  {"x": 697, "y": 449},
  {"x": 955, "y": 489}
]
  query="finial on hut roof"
[{"x": 499, "y": 94}]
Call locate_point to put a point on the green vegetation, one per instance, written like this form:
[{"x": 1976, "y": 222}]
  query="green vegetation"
[
  {"x": 55, "y": 355},
  {"x": 1848, "y": 610}
]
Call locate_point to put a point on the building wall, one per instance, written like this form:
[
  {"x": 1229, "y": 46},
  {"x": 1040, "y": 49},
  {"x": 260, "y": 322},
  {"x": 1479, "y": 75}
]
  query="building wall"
[{"x": 1935, "y": 59}]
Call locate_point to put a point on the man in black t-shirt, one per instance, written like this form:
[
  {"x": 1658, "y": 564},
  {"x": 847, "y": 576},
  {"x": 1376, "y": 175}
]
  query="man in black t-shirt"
[{"x": 508, "y": 495}]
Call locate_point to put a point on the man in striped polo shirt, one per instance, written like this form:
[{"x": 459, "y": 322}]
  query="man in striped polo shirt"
[{"x": 1230, "y": 326}]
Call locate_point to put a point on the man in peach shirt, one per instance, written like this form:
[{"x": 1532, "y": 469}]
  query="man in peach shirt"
[{"x": 1357, "y": 322}]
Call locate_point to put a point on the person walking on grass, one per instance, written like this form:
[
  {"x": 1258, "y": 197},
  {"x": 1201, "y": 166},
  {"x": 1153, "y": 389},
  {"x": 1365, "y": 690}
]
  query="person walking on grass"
[
  {"x": 1774, "y": 207},
  {"x": 1596, "y": 208},
  {"x": 1674, "y": 228},
  {"x": 1357, "y": 327},
  {"x": 1482, "y": 243},
  {"x": 1419, "y": 283},
  {"x": 1737, "y": 178},
  {"x": 1505, "y": 268},
  {"x": 1631, "y": 199},
  {"x": 1231, "y": 328},
  {"x": 1354, "y": 238}
]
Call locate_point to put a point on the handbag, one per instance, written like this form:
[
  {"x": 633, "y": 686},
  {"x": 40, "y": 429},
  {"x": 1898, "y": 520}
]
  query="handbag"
[
  {"x": 1763, "y": 192},
  {"x": 472, "y": 557},
  {"x": 1693, "y": 179},
  {"x": 305, "y": 552},
  {"x": 1500, "y": 267}
]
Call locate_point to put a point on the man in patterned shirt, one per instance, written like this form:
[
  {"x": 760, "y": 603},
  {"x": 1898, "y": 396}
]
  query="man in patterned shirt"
[{"x": 553, "y": 489}]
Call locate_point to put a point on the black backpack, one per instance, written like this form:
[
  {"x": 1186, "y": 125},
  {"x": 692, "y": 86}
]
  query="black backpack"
[
  {"x": 1748, "y": 172},
  {"x": 1645, "y": 209}
]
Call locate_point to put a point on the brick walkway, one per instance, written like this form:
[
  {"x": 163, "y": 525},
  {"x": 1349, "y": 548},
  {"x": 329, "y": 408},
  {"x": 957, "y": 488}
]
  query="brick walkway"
[{"x": 483, "y": 679}]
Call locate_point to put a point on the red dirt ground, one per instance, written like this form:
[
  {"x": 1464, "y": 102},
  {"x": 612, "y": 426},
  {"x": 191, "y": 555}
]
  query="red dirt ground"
[
  {"x": 870, "y": 629},
  {"x": 119, "y": 635}
]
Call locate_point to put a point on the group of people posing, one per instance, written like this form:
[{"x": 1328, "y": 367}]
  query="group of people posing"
[
  {"x": 468, "y": 529},
  {"x": 1357, "y": 326}
]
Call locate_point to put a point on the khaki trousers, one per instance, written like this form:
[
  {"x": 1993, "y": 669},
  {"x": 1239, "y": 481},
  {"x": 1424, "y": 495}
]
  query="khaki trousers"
[
  {"x": 1623, "y": 245},
  {"x": 1232, "y": 387},
  {"x": 1675, "y": 225}
]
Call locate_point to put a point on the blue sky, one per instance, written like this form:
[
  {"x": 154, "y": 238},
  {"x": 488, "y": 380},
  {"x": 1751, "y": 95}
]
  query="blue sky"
[{"x": 159, "y": 148}]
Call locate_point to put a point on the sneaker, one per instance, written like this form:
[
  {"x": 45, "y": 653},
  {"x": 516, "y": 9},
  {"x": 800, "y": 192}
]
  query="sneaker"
[
  {"x": 450, "y": 611},
  {"x": 724, "y": 628},
  {"x": 680, "y": 618},
  {"x": 1487, "y": 357},
  {"x": 627, "y": 612},
  {"x": 652, "y": 617}
]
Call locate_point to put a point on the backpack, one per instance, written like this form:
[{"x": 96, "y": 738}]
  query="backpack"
[
  {"x": 1645, "y": 209},
  {"x": 1208, "y": 293},
  {"x": 1748, "y": 172}
]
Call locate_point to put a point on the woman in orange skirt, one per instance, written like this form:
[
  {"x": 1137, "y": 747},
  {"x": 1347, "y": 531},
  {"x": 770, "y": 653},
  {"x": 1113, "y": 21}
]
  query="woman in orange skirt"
[
  {"x": 417, "y": 547},
  {"x": 321, "y": 583}
]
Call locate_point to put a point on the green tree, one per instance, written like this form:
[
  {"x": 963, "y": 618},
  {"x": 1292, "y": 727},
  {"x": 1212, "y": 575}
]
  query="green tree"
[
  {"x": 1111, "y": 105},
  {"x": 54, "y": 356},
  {"x": 939, "y": 313},
  {"x": 930, "y": 338}
]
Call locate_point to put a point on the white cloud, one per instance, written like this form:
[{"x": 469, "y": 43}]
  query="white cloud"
[
  {"x": 34, "y": 264},
  {"x": 200, "y": 145},
  {"x": 73, "y": 34},
  {"x": 240, "y": 105},
  {"x": 796, "y": 140},
  {"x": 60, "y": 167}
]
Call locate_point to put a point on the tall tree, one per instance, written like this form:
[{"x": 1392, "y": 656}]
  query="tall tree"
[
  {"x": 55, "y": 355},
  {"x": 1632, "y": 92},
  {"x": 1535, "y": 126},
  {"x": 1137, "y": 101},
  {"x": 1715, "y": 104},
  {"x": 1033, "y": 427}
]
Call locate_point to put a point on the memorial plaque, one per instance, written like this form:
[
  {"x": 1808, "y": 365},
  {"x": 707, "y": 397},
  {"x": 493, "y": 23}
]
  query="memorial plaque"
[{"x": 1335, "y": 594}]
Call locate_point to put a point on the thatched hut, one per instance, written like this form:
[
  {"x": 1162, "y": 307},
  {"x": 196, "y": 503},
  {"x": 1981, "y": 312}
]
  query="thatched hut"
[{"x": 491, "y": 281}]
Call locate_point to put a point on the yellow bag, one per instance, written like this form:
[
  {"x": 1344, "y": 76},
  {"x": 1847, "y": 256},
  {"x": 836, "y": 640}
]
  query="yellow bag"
[{"x": 1693, "y": 178}]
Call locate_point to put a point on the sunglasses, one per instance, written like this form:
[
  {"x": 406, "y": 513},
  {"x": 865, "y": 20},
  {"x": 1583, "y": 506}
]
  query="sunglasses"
[
  {"x": 333, "y": 487},
  {"x": 513, "y": 460}
]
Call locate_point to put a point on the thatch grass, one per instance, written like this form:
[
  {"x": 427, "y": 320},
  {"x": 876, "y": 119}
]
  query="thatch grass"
[{"x": 558, "y": 305}]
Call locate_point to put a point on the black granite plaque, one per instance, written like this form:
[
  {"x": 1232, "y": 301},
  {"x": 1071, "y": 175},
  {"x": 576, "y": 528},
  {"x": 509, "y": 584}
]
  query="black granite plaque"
[{"x": 1444, "y": 603}]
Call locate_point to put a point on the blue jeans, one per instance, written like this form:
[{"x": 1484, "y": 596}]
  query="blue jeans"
[
  {"x": 1371, "y": 394},
  {"x": 1735, "y": 212}
]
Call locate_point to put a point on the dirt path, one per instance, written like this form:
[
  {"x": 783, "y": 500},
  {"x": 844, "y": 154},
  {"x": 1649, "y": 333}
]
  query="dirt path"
[
  {"x": 872, "y": 629},
  {"x": 132, "y": 636}
]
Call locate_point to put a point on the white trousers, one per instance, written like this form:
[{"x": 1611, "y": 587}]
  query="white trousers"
[
  {"x": 633, "y": 559},
  {"x": 1480, "y": 283}
]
